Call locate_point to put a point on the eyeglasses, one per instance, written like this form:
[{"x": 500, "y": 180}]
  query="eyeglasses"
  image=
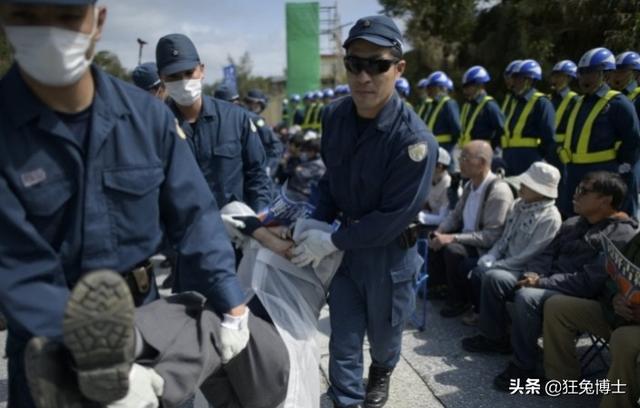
[
  {"x": 582, "y": 190},
  {"x": 372, "y": 66},
  {"x": 464, "y": 158}
]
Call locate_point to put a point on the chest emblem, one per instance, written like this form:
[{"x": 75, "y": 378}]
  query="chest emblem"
[{"x": 32, "y": 178}]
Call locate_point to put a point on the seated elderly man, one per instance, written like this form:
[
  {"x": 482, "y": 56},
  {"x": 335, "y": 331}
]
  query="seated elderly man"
[
  {"x": 531, "y": 225},
  {"x": 613, "y": 318},
  {"x": 437, "y": 205},
  {"x": 569, "y": 265},
  {"x": 472, "y": 228}
]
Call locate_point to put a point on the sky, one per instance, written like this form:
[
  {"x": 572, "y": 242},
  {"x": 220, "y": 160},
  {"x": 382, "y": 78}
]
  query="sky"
[{"x": 217, "y": 27}]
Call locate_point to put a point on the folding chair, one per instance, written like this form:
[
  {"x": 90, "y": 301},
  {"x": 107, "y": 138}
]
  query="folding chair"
[
  {"x": 598, "y": 346},
  {"x": 421, "y": 285}
]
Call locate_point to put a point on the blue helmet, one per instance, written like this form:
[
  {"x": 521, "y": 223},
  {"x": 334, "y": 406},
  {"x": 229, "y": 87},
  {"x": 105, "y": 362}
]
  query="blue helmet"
[
  {"x": 509, "y": 69},
  {"x": 528, "y": 68},
  {"x": 317, "y": 95},
  {"x": 422, "y": 83},
  {"x": 437, "y": 78},
  {"x": 308, "y": 96},
  {"x": 295, "y": 98},
  {"x": 566, "y": 67},
  {"x": 327, "y": 93},
  {"x": 403, "y": 87},
  {"x": 475, "y": 75},
  {"x": 597, "y": 59},
  {"x": 449, "y": 84},
  {"x": 628, "y": 59},
  {"x": 339, "y": 90}
]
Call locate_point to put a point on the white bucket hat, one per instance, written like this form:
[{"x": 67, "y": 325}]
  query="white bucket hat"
[
  {"x": 444, "y": 157},
  {"x": 542, "y": 178}
]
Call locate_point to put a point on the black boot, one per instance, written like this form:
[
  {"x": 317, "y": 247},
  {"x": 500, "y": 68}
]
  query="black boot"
[{"x": 377, "y": 386}]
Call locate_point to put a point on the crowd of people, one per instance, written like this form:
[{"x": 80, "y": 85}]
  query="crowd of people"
[{"x": 97, "y": 176}]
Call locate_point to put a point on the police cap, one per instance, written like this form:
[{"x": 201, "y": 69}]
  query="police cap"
[
  {"x": 379, "y": 30},
  {"x": 145, "y": 76},
  {"x": 176, "y": 53}
]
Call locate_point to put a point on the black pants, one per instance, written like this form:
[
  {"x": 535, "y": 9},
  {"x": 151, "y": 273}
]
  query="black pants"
[{"x": 451, "y": 264}]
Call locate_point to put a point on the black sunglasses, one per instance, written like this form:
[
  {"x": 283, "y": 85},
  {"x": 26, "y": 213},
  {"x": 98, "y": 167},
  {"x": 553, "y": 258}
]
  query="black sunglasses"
[
  {"x": 582, "y": 190},
  {"x": 372, "y": 66}
]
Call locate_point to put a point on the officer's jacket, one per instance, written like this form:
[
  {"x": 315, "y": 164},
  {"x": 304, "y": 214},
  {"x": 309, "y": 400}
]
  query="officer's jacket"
[
  {"x": 562, "y": 117},
  {"x": 64, "y": 212},
  {"x": 632, "y": 91},
  {"x": 489, "y": 123},
  {"x": 272, "y": 145},
  {"x": 229, "y": 152},
  {"x": 445, "y": 119},
  {"x": 616, "y": 122},
  {"x": 377, "y": 182}
]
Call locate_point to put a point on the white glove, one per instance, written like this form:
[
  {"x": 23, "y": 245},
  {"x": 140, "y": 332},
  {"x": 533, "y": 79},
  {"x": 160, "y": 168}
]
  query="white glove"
[
  {"x": 234, "y": 335},
  {"x": 486, "y": 260},
  {"x": 313, "y": 246},
  {"x": 232, "y": 226},
  {"x": 145, "y": 387}
]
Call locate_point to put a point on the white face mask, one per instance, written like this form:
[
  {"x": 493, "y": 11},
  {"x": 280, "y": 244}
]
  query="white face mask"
[
  {"x": 52, "y": 56},
  {"x": 185, "y": 92}
]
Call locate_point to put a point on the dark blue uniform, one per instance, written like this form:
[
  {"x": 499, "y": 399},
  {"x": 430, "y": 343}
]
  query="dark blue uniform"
[
  {"x": 561, "y": 129},
  {"x": 446, "y": 125},
  {"x": 273, "y": 147},
  {"x": 539, "y": 127},
  {"x": 376, "y": 188},
  {"x": 489, "y": 123},
  {"x": 229, "y": 152},
  {"x": 71, "y": 204},
  {"x": 617, "y": 122}
]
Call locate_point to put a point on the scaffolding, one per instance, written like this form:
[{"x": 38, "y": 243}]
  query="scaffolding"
[{"x": 332, "y": 70}]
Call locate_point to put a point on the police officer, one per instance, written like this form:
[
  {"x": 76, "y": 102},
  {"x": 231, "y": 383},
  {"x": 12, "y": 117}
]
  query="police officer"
[
  {"x": 298, "y": 112},
  {"x": 256, "y": 101},
  {"x": 89, "y": 166},
  {"x": 310, "y": 106},
  {"x": 222, "y": 136},
  {"x": 563, "y": 100},
  {"x": 481, "y": 117},
  {"x": 602, "y": 131},
  {"x": 623, "y": 78},
  {"x": 508, "y": 84},
  {"x": 380, "y": 158},
  {"x": 530, "y": 124},
  {"x": 341, "y": 90},
  {"x": 227, "y": 93},
  {"x": 145, "y": 76},
  {"x": 444, "y": 119},
  {"x": 426, "y": 103},
  {"x": 404, "y": 90},
  {"x": 328, "y": 96},
  {"x": 316, "y": 122}
]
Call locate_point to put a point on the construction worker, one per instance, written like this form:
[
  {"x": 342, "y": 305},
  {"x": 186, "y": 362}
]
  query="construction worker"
[
  {"x": 481, "y": 117},
  {"x": 602, "y": 131},
  {"x": 508, "y": 84},
  {"x": 530, "y": 124},
  {"x": 444, "y": 119},
  {"x": 404, "y": 90},
  {"x": 624, "y": 78},
  {"x": 424, "y": 107}
]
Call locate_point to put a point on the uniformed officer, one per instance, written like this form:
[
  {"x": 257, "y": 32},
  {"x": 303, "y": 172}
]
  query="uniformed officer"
[
  {"x": 380, "y": 158},
  {"x": 404, "y": 90},
  {"x": 563, "y": 100},
  {"x": 328, "y": 96},
  {"x": 145, "y": 76},
  {"x": 222, "y": 136},
  {"x": 227, "y": 93},
  {"x": 602, "y": 131},
  {"x": 310, "y": 106},
  {"x": 93, "y": 173},
  {"x": 341, "y": 90},
  {"x": 316, "y": 122},
  {"x": 508, "y": 85},
  {"x": 481, "y": 117},
  {"x": 298, "y": 112},
  {"x": 529, "y": 129},
  {"x": 426, "y": 103},
  {"x": 444, "y": 118},
  {"x": 624, "y": 77}
]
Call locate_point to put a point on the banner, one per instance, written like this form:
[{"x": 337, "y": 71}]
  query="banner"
[
  {"x": 229, "y": 74},
  {"x": 623, "y": 272}
]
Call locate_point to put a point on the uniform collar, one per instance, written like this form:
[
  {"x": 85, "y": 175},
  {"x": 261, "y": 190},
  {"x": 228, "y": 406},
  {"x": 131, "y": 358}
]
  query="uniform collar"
[
  {"x": 563, "y": 92},
  {"x": 602, "y": 91},
  {"x": 207, "y": 111},
  {"x": 386, "y": 117},
  {"x": 478, "y": 99},
  {"x": 631, "y": 87}
]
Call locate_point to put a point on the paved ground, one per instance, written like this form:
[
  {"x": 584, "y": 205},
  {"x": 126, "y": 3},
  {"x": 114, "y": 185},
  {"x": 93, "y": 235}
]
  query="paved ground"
[{"x": 434, "y": 372}]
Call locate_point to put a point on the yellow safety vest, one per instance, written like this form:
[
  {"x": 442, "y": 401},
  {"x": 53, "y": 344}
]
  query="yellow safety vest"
[
  {"x": 433, "y": 117},
  {"x": 582, "y": 155},
  {"x": 423, "y": 108},
  {"x": 633, "y": 95},
  {"x": 506, "y": 103},
  {"x": 467, "y": 125},
  {"x": 309, "y": 116},
  {"x": 560, "y": 114},
  {"x": 317, "y": 117},
  {"x": 515, "y": 138}
]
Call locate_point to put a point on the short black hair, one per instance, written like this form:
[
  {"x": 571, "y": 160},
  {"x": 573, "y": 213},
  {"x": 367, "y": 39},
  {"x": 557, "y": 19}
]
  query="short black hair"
[
  {"x": 608, "y": 184},
  {"x": 312, "y": 144}
]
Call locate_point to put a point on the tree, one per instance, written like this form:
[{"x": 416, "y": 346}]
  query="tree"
[{"x": 110, "y": 62}]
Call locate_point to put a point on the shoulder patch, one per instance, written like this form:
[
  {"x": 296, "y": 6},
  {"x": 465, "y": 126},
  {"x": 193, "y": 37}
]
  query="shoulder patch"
[
  {"x": 253, "y": 126},
  {"x": 260, "y": 123},
  {"x": 418, "y": 151},
  {"x": 179, "y": 130}
]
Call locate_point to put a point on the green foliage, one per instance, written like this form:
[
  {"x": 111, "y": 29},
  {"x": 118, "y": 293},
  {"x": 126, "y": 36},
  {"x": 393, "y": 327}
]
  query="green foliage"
[
  {"x": 110, "y": 62},
  {"x": 244, "y": 77}
]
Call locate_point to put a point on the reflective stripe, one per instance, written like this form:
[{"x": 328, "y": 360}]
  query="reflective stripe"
[
  {"x": 446, "y": 138},
  {"x": 467, "y": 126},
  {"x": 425, "y": 108},
  {"x": 506, "y": 102},
  {"x": 516, "y": 138},
  {"x": 434, "y": 114},
  {"x": 633, "y": 95},
  {"x": 560, "y": 114},
  {"x": 309, "y": 116},
  {"x": 581, "y": 155},
  {"x": 317, "y": 118}
]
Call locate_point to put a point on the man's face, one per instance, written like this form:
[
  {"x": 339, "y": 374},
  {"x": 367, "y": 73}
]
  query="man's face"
[
  {"x": 470, "y": 91},
  {"x": 586, "y": 201},
  {"x": 520, "y": 84},
  {"x": 508, "y": 81},
  {"x": 371, "y": 91},
  {"x": 559, "y": 81},
  {"x": 434, "y": 91},
  {"x": 620, "y": 78},
  {"x": 195, "y": 73},
  {"x": 590, "y": 81},
  {"x": 470, "y": 163}
]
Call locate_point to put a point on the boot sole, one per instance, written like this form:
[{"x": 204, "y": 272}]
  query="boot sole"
[
  {"x": 46, "y": 377},
  {"x": 98, "y": 329}
]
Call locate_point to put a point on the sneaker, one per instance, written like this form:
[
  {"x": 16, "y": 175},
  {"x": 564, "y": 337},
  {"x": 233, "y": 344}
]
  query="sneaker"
[
  {"x": 454, "y": 310},
  {"x": 503, "y": 381},
  {"x": 471, "y": 318},
  {"x": 482, "y": 344},
  {"x": 98, "y": 330},
  {"x": 51, "y": 380}
]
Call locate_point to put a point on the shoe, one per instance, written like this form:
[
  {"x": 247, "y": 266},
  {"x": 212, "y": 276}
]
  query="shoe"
[
  {"x": 471, "y": 318},
  {"x": 347, "y": 406},
  {"x": 454, "y": 310},
  {"x": 377, "y": 387},
  {"x": 50, "y": 377},
  {"x": 98, "y": 331},
  {"x": 482, "y": 344},
  {"x": 511, "y": 376}
]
